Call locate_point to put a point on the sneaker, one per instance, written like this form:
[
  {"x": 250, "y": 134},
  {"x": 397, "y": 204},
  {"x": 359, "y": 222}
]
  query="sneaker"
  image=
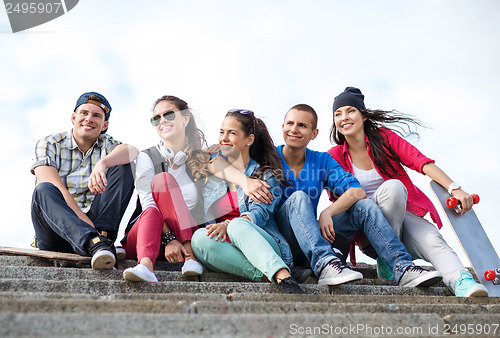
[
  {"x": 338, "y": 273},
  {"x": 290, "y": 285},
  {"x": 103, "y": 253},
  {"x": 192, "y": 268},
  {"x": 466, "y": 286},
  {"x": 416, "y": 276},
  {"x": 103, "y": 260},
  {"x": 120, "y": 253},
  {"x": 383, "y": 270},
  {"x": 300, "y": 275},
  {"x": 139, "y": 273}
]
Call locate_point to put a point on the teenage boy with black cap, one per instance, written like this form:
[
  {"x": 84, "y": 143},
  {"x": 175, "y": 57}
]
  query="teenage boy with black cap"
[{"x": 84, "y": 183}]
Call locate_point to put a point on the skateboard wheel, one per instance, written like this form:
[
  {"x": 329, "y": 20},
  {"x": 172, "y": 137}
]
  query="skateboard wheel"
[
  {"x": 490, "y": 275},
  {"x": 475, "y": 197},
  {"x": 451, "y": 202}
]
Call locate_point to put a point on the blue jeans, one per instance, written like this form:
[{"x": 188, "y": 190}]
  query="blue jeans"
[
  {"x": 365, "y": 216},
  {"x": 58, "y": 228},
  {"x": 297, "y": 223}
]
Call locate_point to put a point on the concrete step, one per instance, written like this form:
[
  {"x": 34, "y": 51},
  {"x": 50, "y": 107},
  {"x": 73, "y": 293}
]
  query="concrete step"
[
  {"x": 256, "y": 297},
  {"x": 33, "y": 267},
  {"x": 64, "y": 273},
  {"x": 368, "y": 271},
  {"x": 224, "y": 306},
  {"x": 38, "y": 299},
  {"x": 277, "y": 325},
  {"x": 107, "y": 287}
]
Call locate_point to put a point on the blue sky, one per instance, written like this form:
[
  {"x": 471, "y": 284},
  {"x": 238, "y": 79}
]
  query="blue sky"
[{"x": 437, "y": 60}]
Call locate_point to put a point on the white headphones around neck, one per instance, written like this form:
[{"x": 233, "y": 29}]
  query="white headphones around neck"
[{"x": 176, "y": 159}]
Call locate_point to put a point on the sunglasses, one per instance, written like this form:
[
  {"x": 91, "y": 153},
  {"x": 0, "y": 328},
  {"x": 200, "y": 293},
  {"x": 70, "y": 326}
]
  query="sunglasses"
[
  {"x": 245, "y": 112},
  {"x": 169, "y": 115},
  {"x": 241, "y": 111}
]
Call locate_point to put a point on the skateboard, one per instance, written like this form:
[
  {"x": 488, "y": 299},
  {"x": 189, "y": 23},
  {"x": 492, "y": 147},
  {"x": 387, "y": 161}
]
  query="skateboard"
[
  {"x": 59, "y": 259},
  {"x": 474, "y": 241}
]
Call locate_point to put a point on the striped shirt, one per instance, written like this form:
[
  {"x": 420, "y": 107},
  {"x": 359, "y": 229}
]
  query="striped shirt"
[{"x": 74, "y": 167}]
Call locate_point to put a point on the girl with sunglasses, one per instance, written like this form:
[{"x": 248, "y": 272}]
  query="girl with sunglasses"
[
  {"x": 375, "y": 155},
  {"x": 168, "y": 178},
  {"x": 235, "y": 242}
]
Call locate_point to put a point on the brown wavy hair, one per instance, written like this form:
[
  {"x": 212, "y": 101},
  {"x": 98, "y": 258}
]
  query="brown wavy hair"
[{"x": 197, "y": 162}]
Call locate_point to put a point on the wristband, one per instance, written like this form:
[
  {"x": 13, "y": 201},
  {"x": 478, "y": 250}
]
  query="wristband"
[{"x": 167, "y": 238}]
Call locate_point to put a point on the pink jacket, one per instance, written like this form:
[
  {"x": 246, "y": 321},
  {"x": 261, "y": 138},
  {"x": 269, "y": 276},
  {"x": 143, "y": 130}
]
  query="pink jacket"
[{"x": 418, "y": 203}]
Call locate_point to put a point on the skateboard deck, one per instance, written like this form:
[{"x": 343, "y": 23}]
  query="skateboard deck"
[
  {"x": 58, "y": 258},
  {"x": 474, "y": 241}
]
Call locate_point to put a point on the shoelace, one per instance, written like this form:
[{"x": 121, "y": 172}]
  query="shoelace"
[
  {"x": 415, "y": 269},
  {"x": 337, "y": 265},
  {"x": 463, "y": 280}
]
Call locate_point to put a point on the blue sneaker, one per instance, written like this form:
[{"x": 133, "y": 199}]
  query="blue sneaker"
[
  {"x": 466, "y": 286},
  {"x": 383, "y": 270}
]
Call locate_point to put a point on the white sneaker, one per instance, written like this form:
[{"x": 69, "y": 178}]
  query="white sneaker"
[
  {"x": 103, "y": 260},
  {"x": 337, "y": 273},
  {"x": 416, "y": 276},
  {"x": 192, "y": 268},
  {"x": 139, "y": 273}
]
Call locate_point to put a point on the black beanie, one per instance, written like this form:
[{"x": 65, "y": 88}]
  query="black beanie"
[{"x": 351, "y": 96}]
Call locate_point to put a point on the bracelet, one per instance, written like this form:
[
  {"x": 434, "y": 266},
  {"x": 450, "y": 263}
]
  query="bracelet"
[
  {"x": 168, "y": 237},
  {"x": 226, "y": 222}
]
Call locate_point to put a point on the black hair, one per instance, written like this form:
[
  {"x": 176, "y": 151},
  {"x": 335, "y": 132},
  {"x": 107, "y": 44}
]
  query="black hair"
[
  {"x": 381, "y": 153},
  {"x": 262, "y": 150},
  {"x": 308, "y": 109}
]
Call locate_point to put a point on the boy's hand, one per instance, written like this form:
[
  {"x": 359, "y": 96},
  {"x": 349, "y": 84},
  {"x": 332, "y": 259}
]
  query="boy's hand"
[
  {"x": 97, "y": 179},
  {"x": 257, "y": 190},
  {"x": 326, "y": 227}
]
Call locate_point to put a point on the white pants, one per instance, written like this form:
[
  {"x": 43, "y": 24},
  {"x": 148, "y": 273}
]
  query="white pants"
[{"x": 421, "y": 238}]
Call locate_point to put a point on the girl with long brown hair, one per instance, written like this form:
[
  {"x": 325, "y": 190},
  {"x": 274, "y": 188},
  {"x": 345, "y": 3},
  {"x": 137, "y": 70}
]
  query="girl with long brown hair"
[{"x": 168, "y": 179}]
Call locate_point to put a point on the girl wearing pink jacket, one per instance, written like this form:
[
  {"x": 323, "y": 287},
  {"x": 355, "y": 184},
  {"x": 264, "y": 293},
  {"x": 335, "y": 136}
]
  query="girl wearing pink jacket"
[{"x": 375, "y": 155}]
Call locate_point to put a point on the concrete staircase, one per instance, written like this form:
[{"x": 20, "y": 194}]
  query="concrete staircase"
[{"x": 39, "y": 299}]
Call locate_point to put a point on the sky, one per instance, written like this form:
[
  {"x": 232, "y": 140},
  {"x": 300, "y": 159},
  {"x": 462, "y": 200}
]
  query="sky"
[{"x": 434, "y": 59}]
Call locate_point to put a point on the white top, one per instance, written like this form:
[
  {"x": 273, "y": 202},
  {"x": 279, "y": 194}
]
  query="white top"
[
  {"x": 370, "y": 180},
  {"x": 144, "y": 175}
]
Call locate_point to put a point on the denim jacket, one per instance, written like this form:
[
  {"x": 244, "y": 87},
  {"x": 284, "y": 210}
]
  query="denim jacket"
[{"x": 259, "y": 213}]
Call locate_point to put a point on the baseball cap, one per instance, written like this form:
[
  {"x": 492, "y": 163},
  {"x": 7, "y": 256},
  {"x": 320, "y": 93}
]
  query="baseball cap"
[{"x": 97, "y": 99}]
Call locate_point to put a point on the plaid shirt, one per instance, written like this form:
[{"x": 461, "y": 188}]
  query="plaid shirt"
[{"x": 74, "y": 167}]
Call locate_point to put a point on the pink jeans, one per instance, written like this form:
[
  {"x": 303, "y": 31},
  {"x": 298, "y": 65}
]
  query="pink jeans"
[{"x": 144, "y": 239}]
